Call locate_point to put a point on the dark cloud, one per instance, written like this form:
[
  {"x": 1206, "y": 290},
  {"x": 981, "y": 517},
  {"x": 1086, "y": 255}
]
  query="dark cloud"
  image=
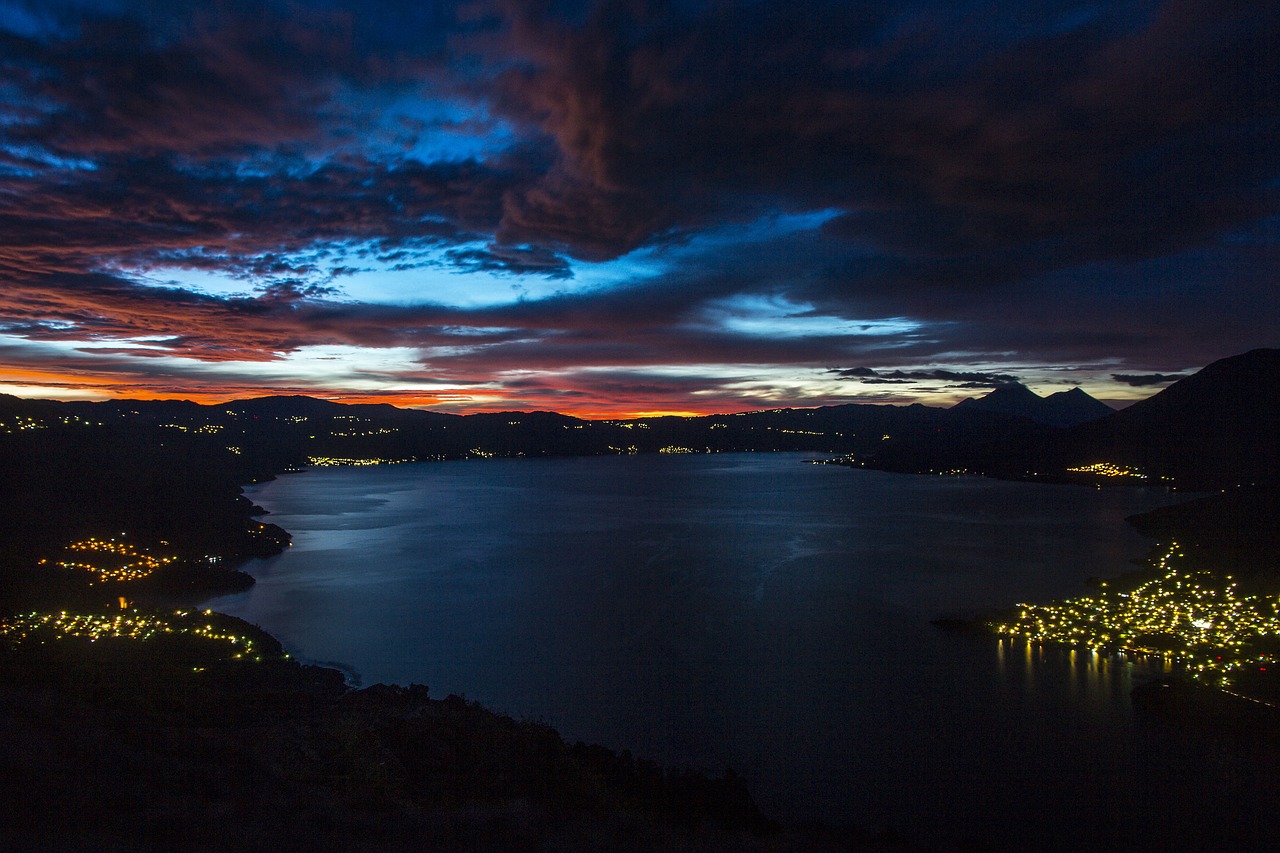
[
  {"x": 1074, "y": 183},
  {"x": 973, "y": 145},
  {"x": 293, "y": 291},
  {"x": 966, "y": 147},
  {"x": 526, "y": 260},
  {"x": 236, "y": 137},
  {"x": 969, "y": 379},
  {"x": 1147, "y": 379},
  {"x": 69, "y": 247},
  {"x": 213, "y": 79},
  {"x": 117, "y": 85}
]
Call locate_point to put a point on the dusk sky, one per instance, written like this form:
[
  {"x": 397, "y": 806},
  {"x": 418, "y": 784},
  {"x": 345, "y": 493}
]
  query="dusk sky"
[{"x": 622, "y": 208}]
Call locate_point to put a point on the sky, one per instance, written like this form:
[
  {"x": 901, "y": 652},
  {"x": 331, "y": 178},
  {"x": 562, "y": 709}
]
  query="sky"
[{"x": 627, "y": 208}]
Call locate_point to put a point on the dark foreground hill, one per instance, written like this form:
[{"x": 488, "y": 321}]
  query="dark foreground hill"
[{"x": 109, "y": 748}]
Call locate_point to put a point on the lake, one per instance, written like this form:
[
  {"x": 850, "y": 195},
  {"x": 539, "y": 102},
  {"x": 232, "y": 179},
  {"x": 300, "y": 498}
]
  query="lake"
[{"x": 759, "y": 613}]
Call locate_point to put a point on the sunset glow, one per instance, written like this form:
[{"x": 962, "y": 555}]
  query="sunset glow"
[{"x": 612, "y": 210}]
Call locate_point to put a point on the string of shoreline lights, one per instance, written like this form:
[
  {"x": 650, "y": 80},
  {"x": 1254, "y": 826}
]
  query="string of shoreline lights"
[{"x": 132, "y": 625}]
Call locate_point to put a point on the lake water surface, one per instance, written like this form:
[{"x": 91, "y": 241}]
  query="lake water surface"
[{"x": 759, "y": 613}]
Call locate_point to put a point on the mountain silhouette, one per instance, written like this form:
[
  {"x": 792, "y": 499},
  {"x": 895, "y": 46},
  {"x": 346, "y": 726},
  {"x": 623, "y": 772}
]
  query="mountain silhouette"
[
  {"x": 1062, "y": 409},
  {"x": 1214, "y": 429},
  {"x": 1073, "y": 407},
  {"x": 1217, "y": 428}
]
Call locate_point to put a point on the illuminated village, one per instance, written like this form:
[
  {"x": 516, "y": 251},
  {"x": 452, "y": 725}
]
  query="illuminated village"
[
  {"x": 133, "y": 624},
  {"x": 353, "y": 462},
  {"x": 1193, "y": 618},
  {"x": 1109, "y": 469},
  {"x": 110, "y": 560}
]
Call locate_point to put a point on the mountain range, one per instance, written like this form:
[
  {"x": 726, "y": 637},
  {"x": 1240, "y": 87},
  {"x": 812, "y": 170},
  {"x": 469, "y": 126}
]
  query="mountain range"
[
  {"x": 1214, "y": 429},
  {"x": 1062, "y": 409}
]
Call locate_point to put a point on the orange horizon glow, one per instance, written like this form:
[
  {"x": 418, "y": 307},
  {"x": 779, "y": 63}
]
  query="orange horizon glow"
[
  {"x": 103, "y": 392},
  {"x": 96, "y": 386},
  {"x": 35, "y": 384}
]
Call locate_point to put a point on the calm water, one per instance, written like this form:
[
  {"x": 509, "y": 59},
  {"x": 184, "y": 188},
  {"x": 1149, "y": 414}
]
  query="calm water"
[{"x": 754, "y": 612}]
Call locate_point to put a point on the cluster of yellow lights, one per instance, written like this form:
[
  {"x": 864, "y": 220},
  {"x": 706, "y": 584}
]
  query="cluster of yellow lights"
[
  {"x": 20, "y": 422},
  {"x": 676, "y": 448},
  {"x": 1192, "y": 616},
  {"x": 111, "y": 560},
  {"x": 128, "y": 625},
  {"x": 1109, "y": 469},
  {"x": 333, "y": 461}
]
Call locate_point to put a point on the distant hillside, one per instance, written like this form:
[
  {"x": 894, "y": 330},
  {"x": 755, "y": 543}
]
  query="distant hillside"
[
  {"x": 271, "y": 433},
  {"x": 169, "y": 472},
  {"x": 1217, "y": 428},
  {"x": 1213, "y": 429},
  {"x": 1062, "y": 409}
]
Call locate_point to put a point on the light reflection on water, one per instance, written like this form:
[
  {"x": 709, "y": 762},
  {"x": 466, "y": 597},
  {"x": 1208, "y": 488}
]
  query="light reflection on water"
[
  {"x": 1089, "y": 676},
  {"x": 757, "y": 613}
]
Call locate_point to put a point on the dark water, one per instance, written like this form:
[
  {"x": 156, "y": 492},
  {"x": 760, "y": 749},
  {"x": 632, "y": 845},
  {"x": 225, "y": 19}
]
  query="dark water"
[{"x": 753, "y": 612}]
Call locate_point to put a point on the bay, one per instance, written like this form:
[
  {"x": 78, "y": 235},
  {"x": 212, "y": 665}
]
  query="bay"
[{"x": 757, "y": 613}]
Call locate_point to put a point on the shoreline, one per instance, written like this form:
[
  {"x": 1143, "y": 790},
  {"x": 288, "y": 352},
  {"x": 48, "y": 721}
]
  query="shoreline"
[{"x": 435, "y": 771}]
